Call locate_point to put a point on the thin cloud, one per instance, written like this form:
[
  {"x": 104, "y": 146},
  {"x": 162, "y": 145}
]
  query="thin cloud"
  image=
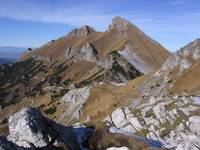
[
  {"x": 157, "y": 25},
  {"x": 178, "y": 2}
]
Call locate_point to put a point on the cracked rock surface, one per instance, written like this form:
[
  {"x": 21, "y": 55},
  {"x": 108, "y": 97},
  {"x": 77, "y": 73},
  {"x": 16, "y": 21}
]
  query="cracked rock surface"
[
  {"x": 173, "y": 120},
  {"x": 29, "y": 129}
]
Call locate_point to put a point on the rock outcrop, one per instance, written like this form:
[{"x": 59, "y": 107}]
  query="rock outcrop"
[
  {"x": 192, "y": 49},
  {"x": 135, "y": 60},
  {"x": 88, "y": 52},
  {"x": 168, "y": 119},
  {"x": 120, "y": 24},
  {"x": 183, "y": 57},
  {"x": 28, "y": 128},
  {"x": 118, "y": 148},
  {"x": 82, "y": 32},
  {"x": 194, "y": 125},
  {"x": 75, "y": 100},
  {"x": 123, "y": 119}
]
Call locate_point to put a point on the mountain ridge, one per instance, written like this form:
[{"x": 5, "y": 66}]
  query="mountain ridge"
[{"x": 127, "y": 89}]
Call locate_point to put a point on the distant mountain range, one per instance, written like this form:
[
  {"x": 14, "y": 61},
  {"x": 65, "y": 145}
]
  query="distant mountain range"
[{"x": 10, "y": 54}]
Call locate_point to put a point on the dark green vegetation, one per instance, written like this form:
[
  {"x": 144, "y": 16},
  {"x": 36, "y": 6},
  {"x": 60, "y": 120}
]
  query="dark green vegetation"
[
  {"x": 27, "y": 79},
  {"x": 121, "y": 70}
]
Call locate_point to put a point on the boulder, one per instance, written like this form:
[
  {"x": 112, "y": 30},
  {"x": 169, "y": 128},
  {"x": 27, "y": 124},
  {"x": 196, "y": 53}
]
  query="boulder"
[
  {"x": 123, "y": 119},
  {"x": 118, "y": 148},
  {"x": 28, "y": 128},
  {"x": 160, "y": 112},
  {"x": 194, "y": 124}
]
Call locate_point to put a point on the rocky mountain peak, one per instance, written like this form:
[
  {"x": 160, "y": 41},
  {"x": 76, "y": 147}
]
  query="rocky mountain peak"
[
  {"x": 120, "y": 24},
  {"x": 193, "y": 49},
  {"x": 82, "y": 31}
]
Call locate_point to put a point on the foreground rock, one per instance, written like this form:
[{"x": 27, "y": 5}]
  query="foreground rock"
[
  {"x": 173, "y": 120},
  {"x": 30, "y": 129},
  {"x": 123, "y": 119},
  {"x": 118, "y": 148}
]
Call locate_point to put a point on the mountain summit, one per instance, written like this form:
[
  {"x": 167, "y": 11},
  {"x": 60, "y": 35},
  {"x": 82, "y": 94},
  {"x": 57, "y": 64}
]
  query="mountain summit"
[
  {"x": 82, "y": 31},
  {"x": 102, "y": 90},
  {"x": 120, "y": 24}
]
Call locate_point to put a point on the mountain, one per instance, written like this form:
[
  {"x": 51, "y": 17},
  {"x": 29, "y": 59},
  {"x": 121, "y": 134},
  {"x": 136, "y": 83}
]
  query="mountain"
[
  {"x": 6, "y": 60},
  {"x": 10, "y": 54},
  {"x": 117, "y": 89},
  {"x": 122, "y": 36}
]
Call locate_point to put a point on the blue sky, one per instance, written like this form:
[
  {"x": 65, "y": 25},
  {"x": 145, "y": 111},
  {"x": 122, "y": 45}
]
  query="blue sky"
[{"x": 31, "y": 23}]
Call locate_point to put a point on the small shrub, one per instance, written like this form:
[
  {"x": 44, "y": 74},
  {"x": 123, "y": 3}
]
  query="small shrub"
[
  {"x": 51, "y": 110},
  {"x": 169, "y": 81}
]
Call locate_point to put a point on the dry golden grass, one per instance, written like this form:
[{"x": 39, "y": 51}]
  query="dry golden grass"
[
  {"x": 106, "y": 42},
  {"x": 102, "y": 139},
  {"x": 104, "y": 99},
  {"x": 189, "y": 81}
]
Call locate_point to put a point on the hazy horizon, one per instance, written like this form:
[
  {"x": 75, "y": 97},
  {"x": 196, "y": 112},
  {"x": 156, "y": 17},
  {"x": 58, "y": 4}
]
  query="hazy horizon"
[{"x": 173, "y": 23}]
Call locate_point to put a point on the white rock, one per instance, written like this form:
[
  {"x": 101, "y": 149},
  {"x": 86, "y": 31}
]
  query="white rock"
[
  {"x": 118, "y": 148},
  {"x": 27, "y": 127},
  {"x": 194, "y": 124},
  {"x": 81, "y": 32},
  {"x": 196, "y": 100},
  {"x": 159, "y": 111},
  {"x": 88, "y": 53},
  {"x": 172, "y": 61},
  {"x": 135, "y": 60},
  {"x": 75, "y": 99},
  {"x": 185, "y": 64},
  {"x": 77, "y": 95},
  {"x": 123, "y": 119},
  {"x": 187, "y": 146},
  {"x": 196, "y": 54}
]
